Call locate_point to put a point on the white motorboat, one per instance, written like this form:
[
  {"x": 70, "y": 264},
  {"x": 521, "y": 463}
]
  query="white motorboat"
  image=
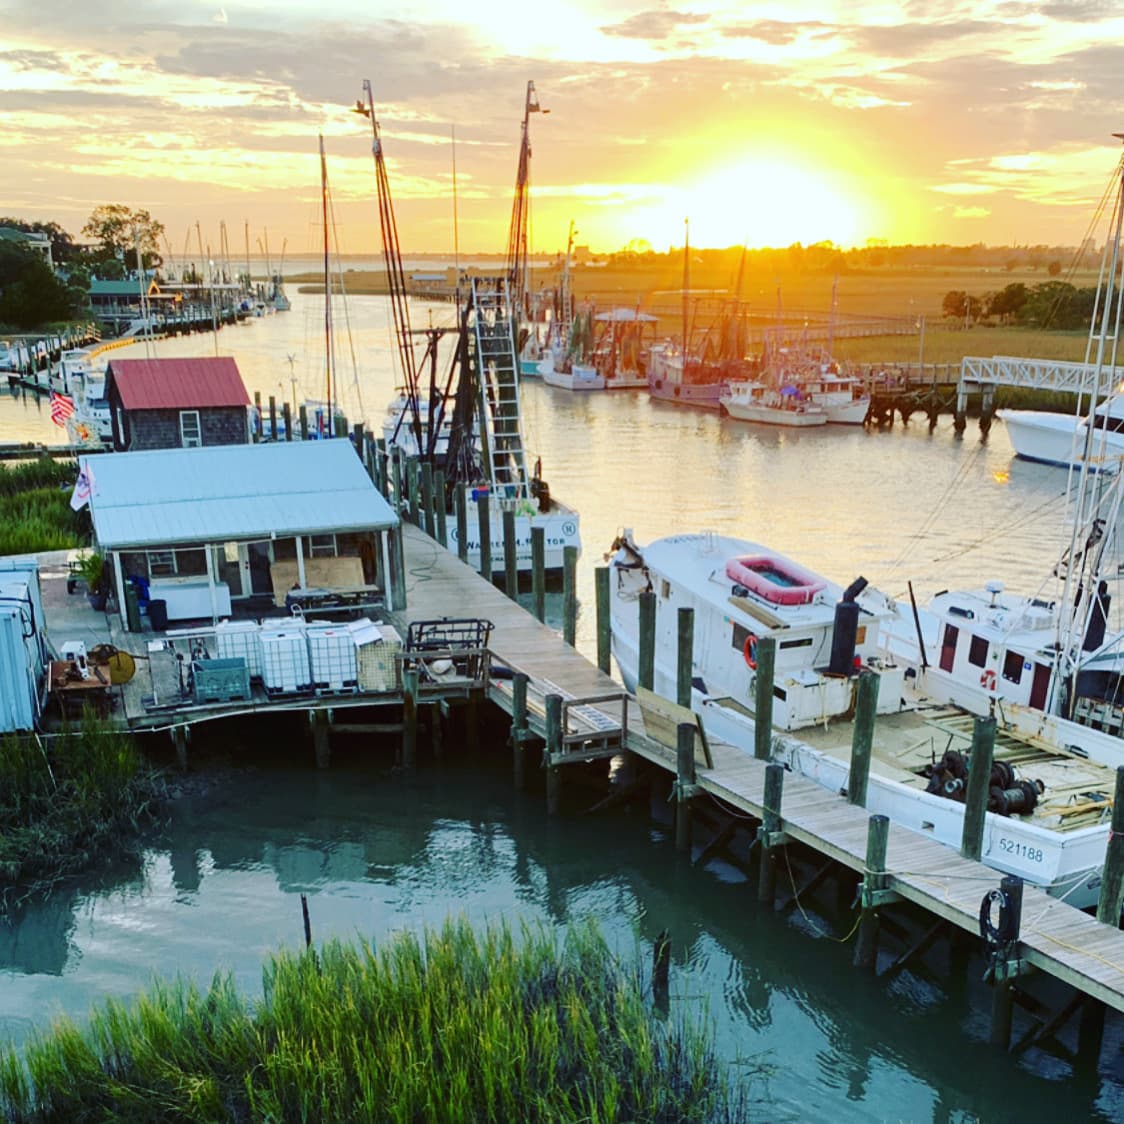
[
  {"x": 842, "y": 396},
  {"x": 1065, "y": 440},
  {"x": 1050, "y": 806},
  {"x": 768, "y": 405}
]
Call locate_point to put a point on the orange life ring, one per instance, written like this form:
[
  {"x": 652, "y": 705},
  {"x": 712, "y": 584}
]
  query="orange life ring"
[
  {"x": 988, "y": 680},
  {"x": 749, "y": 650}
]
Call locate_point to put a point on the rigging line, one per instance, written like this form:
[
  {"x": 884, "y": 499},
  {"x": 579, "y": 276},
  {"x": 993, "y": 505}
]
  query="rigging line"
[
  {"x": 912, "y": 542},
  {"x": 346, "y": 308}
]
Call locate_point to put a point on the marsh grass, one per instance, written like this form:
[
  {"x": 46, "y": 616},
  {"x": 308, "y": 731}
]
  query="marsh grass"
[
  {"x": 35, "y": 511},
  {"x": 61, "y": 806},
  {"x": 454, "y": 1025}
]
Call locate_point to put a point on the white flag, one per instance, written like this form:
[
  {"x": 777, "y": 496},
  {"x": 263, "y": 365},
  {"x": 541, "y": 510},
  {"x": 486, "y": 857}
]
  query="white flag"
[{"x": 84, "y": 487}]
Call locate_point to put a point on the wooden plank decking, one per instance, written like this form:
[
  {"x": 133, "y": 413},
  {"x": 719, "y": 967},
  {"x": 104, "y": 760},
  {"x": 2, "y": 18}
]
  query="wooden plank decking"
[{"x": 1056, "y": 938}]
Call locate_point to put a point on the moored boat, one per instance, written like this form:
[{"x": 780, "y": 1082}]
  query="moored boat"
[
  {"x": 1064, "y": 439},
  {"x": 768, "y": 405}
]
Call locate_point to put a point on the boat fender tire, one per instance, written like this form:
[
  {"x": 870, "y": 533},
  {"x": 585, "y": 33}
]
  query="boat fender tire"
[
  {"x": 988, "y": 680},
  {"x": 749, "y": 650},
  {"x": 1001, "y": 930}
]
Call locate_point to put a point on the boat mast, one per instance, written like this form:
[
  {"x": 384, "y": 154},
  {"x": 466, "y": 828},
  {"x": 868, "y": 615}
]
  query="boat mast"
[
  {"x": 1092, "y": 533},
  {"x": 327, "y": 289},
  {"x": 686, "y": 282},
  {"x": 395, "y": 273},
  {"x": 518, "y": 259}
]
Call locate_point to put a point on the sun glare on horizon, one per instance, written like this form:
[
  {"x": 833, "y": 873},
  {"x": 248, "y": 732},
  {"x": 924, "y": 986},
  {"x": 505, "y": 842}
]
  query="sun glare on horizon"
[{"x": 761, "y": 201}]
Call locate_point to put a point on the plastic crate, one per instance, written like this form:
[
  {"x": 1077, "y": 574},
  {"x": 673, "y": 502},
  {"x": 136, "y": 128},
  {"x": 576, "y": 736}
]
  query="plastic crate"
[{"x": 220, "y": 680}]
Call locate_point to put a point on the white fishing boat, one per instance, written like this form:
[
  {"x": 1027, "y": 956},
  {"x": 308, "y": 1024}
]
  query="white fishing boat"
[
  {"x": 1065, "y": 440},
  {"x": 1050, "y": 805},
  {"x": 770, "y": 405},
  {"x": 409, "y": 418},
  {"x": 623, "y": 351},
  {"x": 841, "y": 396}
]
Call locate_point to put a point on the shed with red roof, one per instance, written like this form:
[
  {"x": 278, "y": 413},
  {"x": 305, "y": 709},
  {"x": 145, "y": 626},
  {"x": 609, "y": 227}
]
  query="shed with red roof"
[{"x": 177, "y": 403}]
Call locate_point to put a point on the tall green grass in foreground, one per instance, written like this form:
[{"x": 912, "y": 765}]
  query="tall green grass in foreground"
[
  {"x": 59, "y": 806},
  {"x": 35, "y": 511},
  {"x": 454, "y": 1026}
]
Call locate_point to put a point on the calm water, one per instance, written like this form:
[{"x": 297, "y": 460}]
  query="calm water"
[{"x": 379, "y": 852}]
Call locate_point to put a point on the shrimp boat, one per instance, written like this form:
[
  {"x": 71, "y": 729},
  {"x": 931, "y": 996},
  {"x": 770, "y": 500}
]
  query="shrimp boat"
[
  {"x": 1048, "y": 667},
  {"x": 470, "y": 426}
]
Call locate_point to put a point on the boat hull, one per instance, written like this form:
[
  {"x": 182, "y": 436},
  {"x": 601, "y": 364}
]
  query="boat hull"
[
  {"x": 561, "y": 528},
  {"x": 1058, "y": 439},
  {"x": 770, "y": 415}
]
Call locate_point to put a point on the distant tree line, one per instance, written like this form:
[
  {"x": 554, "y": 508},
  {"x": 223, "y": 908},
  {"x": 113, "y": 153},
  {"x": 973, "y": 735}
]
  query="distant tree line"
[
  {"x": 1050, "y": 305},
  {"x": 33, "y": 294}
]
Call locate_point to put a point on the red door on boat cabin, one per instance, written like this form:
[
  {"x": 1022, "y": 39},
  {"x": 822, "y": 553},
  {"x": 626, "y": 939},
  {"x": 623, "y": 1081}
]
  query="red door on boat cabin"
[{"x": 948, "y": 646}]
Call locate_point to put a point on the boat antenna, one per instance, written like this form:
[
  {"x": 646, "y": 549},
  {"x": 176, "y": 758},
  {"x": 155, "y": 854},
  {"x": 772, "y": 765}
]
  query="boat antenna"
[{"x": 327, "y": 287}]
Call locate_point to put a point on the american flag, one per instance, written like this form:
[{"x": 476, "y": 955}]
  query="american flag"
[{"x": 61, "y": 408}]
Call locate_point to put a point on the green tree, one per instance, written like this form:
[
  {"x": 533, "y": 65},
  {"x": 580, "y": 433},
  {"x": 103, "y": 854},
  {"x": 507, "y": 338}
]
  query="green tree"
[
  {"x": 1054, "y": 268},
  {"x": 119, "y": 229},
  {"x": 63, "y": 249},
  {"x": 30, "y": 293}
]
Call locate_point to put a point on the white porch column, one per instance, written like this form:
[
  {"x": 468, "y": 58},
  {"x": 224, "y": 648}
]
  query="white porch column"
[
  {"x": 209, "y": 552},
  {"x": 300, "y": 562},
  {"x": 119, "y": 585},
  {"x": 383, "y": 567}
]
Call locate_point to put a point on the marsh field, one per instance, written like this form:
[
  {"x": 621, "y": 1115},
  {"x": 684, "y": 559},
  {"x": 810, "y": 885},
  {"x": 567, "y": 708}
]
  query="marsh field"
[{"x": 909, "y": 293}]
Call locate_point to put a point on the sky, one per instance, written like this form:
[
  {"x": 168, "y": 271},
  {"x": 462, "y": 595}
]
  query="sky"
[{"x": 765, "y": 123}]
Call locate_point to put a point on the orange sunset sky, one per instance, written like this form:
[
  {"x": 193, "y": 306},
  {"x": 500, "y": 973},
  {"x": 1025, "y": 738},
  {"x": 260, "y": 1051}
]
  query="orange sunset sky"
[{"x": 770, "y": 123}]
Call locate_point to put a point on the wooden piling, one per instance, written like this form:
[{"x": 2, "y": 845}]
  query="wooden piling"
[
  {"x": 397, "y": 478},
  {"x": 382, "y": 478},
  {"x": 510, "y": 561},
  {"x": 538, "y": 571},
  {"x": 519, "y": 729},
  {"x": 770, "y": 827},
  {"x": 570, "y": 594},
  {"x": 874, "y": 882},
  {"x": 684, "y": 785},
  {"x": 287, "y": 418},
  {"x": 409, "y": 717},
  {"x": 397, "y": 569},
  {"x": 412, "y": 490},
  {"x": 1003, "y": 995},
  {"x": 862, "y": 739},
  {"x": 484, "y": 521},
  {"x": 1112, "y": 878},
  {"x": 462, "y": 521},
  {"x": 647, "y": 668},
  {"x": 272, "y": 418},
  {"x": 686, "y": 620},
  {"x": 766, "y": 660},
  {"x": 439, "y": 508},
  {"x": 429, "y": 521},
  {"x": 179, "y": 736},
  {"x": 975, "y": 800},
  {"x": 320, "y": 742},
  {"x": 259, "y": 425},
  {"x": 604, "y": 618},
  {"x": 553, "y": 750},
  {"x": 661, "y": 970},
  {"x": 304, "y": 421}
]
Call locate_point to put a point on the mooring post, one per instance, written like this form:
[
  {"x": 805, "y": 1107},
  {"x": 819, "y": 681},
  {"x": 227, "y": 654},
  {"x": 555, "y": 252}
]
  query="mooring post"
[
  {"x": 412, "y": 490},
  {"x": 179, "y": 736},
  {"x": 397, "y": 478},
  {"x": 1112, "y": 878},
  {"x": 287, "y": 418},
  {"x": 604, "y": 619},
  {"x": 553, "y": 752},
  {"x": 429, "y": 523},
  {"x": 409, "y": 717},
  {"x": 462, "y": 521},
  {"x": 397, "y": 546},
  {"x": 769, "y": 833},
  {"x": 685, "y": 785},
  {"x": 686, "y": 620},
  {"x": 272, "y": 418},
  {"x": 766, "y": 660},
  {"x": 538, "y": 571},
  {"x": 862, "y": 740},
  {"x": 303, "y": 414},
  {"x": 1004, "y": 965},
  {"x": 484, "y": 513},
  {"x": 382, "y": 477},
  {"x": 570, "y": 594},
  {"x": 519, "y": 729},
  {"x": 873, "y": 887},
  {"x": 320, "y": 744},
  {"x": 510, "y": 560},
  {"x": 439, "y": 508},
  {"x": 661, "y": 970},
  {"x": 259, "y": 421},
  {"x": 975, "y": 798},
  {"x": 647, "y": 669}
]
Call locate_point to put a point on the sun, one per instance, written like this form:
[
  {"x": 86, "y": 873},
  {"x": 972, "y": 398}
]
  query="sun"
[{"x": 761, "y": 201}]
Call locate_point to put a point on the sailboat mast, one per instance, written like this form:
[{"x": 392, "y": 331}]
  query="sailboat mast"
[
  {"x": 686, "y": 282},
  {"x": 327, "y": 287}
]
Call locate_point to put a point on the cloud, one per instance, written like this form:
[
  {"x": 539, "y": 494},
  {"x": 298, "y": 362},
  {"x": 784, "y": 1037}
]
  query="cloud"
[{"x": 653, "y": 25}]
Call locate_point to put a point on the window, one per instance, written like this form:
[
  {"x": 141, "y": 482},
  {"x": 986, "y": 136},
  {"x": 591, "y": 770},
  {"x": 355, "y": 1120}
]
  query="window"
[
  {"x": 1013, "y": 667},
  {"x": 161, "y": 563},
  {"x": 321, "y": 546},
  {"x": 977, "y": 651},
  {"x": 191, "y": 433}
]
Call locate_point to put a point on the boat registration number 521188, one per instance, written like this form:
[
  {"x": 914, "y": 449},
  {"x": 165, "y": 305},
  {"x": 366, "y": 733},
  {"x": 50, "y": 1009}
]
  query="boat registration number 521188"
[{"x": 1014, "y": 847}]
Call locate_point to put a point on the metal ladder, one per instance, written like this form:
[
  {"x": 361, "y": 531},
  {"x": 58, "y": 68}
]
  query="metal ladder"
[{"x": 501, "y": 428}]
